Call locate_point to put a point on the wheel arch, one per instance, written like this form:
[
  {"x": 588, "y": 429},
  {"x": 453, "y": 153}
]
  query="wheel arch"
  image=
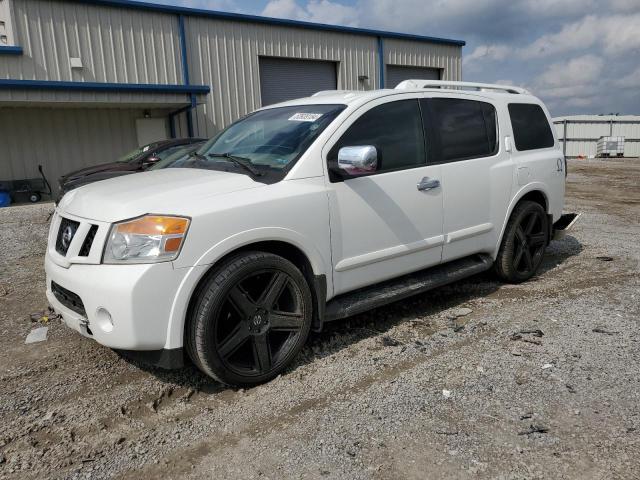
[
  {"x": 311, "y": 266},
  {"x": 535, "y": 192}
]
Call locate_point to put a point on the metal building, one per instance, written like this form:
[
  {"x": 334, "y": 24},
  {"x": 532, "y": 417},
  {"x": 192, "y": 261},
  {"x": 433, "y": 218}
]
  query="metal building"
[
  {"x": 82, "y": 82},
  {"x": 580, "y": 133}
]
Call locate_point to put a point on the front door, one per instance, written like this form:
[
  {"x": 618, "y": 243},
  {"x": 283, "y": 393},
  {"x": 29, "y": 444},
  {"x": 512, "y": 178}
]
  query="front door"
[{"x": 383, "y": 225}]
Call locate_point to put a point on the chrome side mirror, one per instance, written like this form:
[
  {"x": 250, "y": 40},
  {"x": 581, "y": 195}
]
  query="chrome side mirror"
[{"x": 358, "y": 160}]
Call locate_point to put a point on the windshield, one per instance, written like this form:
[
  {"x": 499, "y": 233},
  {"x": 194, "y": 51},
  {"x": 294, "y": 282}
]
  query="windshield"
[
  {"x": 267, "y": 141},
  {"x": 134, "y": 154},
  {"x": 177, "y": 155}
]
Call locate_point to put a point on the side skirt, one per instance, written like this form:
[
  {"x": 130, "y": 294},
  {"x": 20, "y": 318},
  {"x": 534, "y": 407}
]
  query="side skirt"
[{"x": 375, "y": 296}]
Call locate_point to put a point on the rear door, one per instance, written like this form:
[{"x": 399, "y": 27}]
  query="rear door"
[
  {"x": 382, "y": 224},
  {"x": 537, "y": 154},
  {"x": 477, "y": 173}
]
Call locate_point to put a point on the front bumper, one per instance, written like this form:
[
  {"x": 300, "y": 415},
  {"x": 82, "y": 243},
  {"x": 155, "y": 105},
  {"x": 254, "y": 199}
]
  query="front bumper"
[{"x": 138, "y": 299}]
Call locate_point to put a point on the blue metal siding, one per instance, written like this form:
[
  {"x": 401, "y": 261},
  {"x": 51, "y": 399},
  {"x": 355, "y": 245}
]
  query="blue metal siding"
[
  {"x": 11, "y": 51},
  {"x": 101, "y": 86}
]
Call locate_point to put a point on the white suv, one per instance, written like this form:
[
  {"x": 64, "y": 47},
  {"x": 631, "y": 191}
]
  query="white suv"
[{"x": 304, "y": 212}]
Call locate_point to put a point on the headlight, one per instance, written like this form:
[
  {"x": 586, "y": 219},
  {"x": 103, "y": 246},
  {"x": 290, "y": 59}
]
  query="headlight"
[{"x": 148, "y": 239}]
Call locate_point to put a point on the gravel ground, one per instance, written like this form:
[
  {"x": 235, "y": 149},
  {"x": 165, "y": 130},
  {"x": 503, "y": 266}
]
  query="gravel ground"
[{"x": 446, "y": 384}]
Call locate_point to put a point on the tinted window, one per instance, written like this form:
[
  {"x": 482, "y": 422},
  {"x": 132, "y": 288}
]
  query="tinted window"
[
  {"x": 395, "y": 129},
  {"x": 531, "y": 128},
  {"x": 465, "y": 128}
]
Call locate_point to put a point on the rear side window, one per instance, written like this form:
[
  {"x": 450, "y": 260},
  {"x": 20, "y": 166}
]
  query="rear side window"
[
  {"x": 394, "y": 128},
  {"x": 531, "y": 128},
  {"x": 465, "y": 128}
]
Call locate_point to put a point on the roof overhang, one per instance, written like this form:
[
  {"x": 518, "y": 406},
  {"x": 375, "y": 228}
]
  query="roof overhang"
[
  {"x": 102, "y": 86},
  {"x": 270, "y": 21},
  {"x": 8, "y": 50}
]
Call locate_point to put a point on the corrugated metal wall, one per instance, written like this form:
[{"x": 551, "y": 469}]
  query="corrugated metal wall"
[
  {"x": 62, "y": 139},
  {"x": 583, "y": 133},
  {"x": 116, "y": 45},
  {"x": 225, "y": 54},
  {"x": 128, "y": 45},
  {"x": 420, "y": 54}
]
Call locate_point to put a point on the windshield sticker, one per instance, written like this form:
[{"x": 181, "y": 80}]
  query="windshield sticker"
[{"x": 305, "y": 117}]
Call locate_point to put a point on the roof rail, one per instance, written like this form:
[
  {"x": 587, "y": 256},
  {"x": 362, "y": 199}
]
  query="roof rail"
[
  {"x": 412, "y": 84},
  {"x": 322, "y": 93}
]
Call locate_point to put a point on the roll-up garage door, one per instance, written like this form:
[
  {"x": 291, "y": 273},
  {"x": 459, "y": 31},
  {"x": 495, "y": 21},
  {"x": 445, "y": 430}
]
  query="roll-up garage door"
[
  {"x": 285, "y": 78},
  {"x": 396, "y": 74}
]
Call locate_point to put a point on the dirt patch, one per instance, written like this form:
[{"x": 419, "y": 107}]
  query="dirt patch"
[{"x": 411, "y": 388}]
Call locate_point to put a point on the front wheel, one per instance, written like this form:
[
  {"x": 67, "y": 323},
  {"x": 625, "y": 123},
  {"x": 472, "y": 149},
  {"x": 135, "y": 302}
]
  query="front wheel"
[
  {"x": 250, "y": 319},
  {"x": 523, "y": 243}
]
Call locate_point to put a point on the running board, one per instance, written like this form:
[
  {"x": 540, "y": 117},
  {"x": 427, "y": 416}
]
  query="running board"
[{"x": 375, "y": 296}]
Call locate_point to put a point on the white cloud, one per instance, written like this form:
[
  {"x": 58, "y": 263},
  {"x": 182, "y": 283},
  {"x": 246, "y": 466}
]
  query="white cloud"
[
  {"x": 615, "y": 34},
  {"x": 573, "y": 84},
  {"x": 580, "y": 101},
  {"x": 632, "y": 80},
  {"x": 488, "y": 52},
  {"x": 320, "y": 11},
  {"x": 417, "y": 15},
  {"x": 575, "y": 8},
  {"x": 577, "y": 71}
]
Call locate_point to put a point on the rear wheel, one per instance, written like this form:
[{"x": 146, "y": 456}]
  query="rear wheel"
[
  {"x": 523, "y": 243},
  {"x": 250, "y": 319}
]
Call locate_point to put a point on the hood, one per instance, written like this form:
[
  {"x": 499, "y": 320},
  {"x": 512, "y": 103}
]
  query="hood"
[
  {"x": 165, "y": 191},
  {"x": 96, "y": 177},
  {"x": 103, "y": 167}
]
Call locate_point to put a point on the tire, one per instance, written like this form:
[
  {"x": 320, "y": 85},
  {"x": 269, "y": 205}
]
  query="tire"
[
  {"x": 523, "y": 243},
  {"x": 250, "y": 319},
  {"x": 34, "y": 197}
]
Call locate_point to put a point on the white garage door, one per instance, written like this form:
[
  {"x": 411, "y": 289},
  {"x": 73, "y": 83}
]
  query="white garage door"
[
  {"x": 397, "y": 74},
  {"x": 284, "y": 79}
]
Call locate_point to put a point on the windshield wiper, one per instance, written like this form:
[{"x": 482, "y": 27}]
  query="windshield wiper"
[
  {"x": 242, "y": 161},
  {"x": 197, "y": 156}
]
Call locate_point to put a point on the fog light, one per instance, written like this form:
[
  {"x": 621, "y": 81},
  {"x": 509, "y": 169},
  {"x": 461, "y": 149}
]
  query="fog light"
[{"x": 103, "y": 320}]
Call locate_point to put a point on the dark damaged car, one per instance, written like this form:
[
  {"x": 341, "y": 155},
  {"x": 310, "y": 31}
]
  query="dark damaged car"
[{"x": 137, "y": 160}]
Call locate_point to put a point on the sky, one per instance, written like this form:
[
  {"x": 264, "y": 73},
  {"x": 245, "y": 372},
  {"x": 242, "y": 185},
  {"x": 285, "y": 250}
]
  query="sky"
[{"x": 579, "y": 56}]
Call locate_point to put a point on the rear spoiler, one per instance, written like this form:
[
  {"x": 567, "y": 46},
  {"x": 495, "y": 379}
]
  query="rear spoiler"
[{"x": 564, "y": 224}]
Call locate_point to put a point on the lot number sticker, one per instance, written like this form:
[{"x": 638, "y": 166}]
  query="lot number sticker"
[{"x": 305, "y": 117}]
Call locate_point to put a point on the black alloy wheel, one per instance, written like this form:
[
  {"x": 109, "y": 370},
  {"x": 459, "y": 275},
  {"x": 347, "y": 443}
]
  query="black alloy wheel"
[
  {"x": 253, "y": 317},
  {"x": 523, "y": 244},
  {"x": 530, "y": 241}
]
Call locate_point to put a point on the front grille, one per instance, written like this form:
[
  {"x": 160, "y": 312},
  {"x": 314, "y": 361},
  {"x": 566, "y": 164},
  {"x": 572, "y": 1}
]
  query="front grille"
[
  {"x": 66, "y": 232},
  {"x": 68, "y": 299},
  {"x": 88, "y": 241}
]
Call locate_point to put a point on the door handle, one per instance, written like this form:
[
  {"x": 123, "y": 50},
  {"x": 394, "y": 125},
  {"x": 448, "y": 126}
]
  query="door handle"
[{"x": 428, "y": 184}]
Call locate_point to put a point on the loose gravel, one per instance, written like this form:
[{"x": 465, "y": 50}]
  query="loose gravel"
[{"x": 474, "y": 380}]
